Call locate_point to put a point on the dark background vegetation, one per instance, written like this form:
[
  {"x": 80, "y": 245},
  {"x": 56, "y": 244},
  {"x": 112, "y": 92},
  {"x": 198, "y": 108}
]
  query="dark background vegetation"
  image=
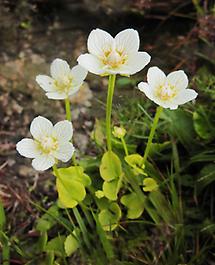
[{"x": 178, "y": 34}]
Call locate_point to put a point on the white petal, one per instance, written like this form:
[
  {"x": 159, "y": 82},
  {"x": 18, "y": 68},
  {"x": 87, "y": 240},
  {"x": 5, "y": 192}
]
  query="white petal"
[
  {"x": 28, "y": 148},
  {"x": 145, "y": 88},
  {"x": 74, "y": 90},
  {"x": 46, "y": 82},
  {"x": 127, "y": 41},
  {"x": 178, "y": 79},
  {"x": 65, "y": 152},
  {"x": 63, "y": 130},
  {"x": 155, "y": 77},
  {"x": 56, "y": 95},
  {"x": 136, "y": 62},
  {"x": 59, "y": 68},
  {"x": 166, "y": 104},
  {"x": 91, "y": 63},
  {"x": 43, "y": 162},
  {"x": 78, "y": 74},
  {"x": 185, "y": 95},
  {"x": 40, "y": 126},
  {"x": 99, "y": 41}
]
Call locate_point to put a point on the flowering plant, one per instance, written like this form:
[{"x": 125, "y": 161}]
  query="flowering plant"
[{"x": 125, "y": 181}]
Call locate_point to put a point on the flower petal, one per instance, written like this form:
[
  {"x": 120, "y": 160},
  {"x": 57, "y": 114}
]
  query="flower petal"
[
  {"x": 155, "y": 77},
  {"x": 91, "y": 63},
  {"x": 63, "y": 130},
  {"x": 178, "y": 79},
  {"x": 65, "y": 152},
  {"x": 99, "y": 41},
  {"x": 136, "y": 62},
  {"x": 56, "y": 95},
  {"x": 43, "y": 162},
  {"x": 185, "y": 95},
  {"x": 146, "y": 89},
  {"x": 59, "y": 68},
  {"x": 28, "y": 148},
  {"x": 127, "y": 41},
  {"x": 164, "y": 104},
  {"x": 45, "y": 82},
  {"x": 40, "y": 126},
  {"x": 73, "y": 90},
  {"x": 79, "y": 74}
]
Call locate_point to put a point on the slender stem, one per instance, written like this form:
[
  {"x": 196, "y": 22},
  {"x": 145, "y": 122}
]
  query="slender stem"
[
  {"x": 68, "y": 111},
  {"x": 124, "y": 146},
  {"x": 111, "y": 85},
  {"x": 75, "y": 163},
  {"x": 152, "y": 132},
  {"x": 82, "y": 226}
]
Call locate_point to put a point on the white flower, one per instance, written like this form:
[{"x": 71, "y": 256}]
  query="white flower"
[
  {"x": 50, "y": 143},
  {"x": 167, "y": 91},
  {"x": 119, "y": 55},
  {"x": 64, "y": 81}
]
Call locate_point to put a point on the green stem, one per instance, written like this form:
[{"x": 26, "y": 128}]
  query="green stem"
[
  {"x": 68, "y": 111},
  {"x": 6, "y": 255},
  {"x": 82, "y": 226},
  {"x": 124, "y": 146},
  {"x": 111, "y": 85},
  {"x": 152, "y": 132}
]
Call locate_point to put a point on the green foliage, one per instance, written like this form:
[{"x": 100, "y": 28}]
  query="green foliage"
[
  {"x": 204, "y": 80},
  {"x": 71, "y": 183},
  {"x": 135, "y": 161},
  {"x": 110, "y": 216},
  {"x": 134, "y": 205},
  {"x": 71, "y": 244},
  {"x": 110, "y": 167},
  {"x": 180, "y": 125},
  {"x": 48, "y": 220},
  {"x": 2, "y": 217},
  {"x": 98, "y": 133},
  {"x": 150, "y": 184},
  {"x": 110, "y": 189},
  {"x": 204, "y": 123},
  {"x": 56, "y": 245}
]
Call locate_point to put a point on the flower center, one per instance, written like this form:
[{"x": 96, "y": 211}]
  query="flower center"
[
  {"x": 166, "y": 92},
  {"x": 63, "y": 84},
  {"x": 48, "y": 144},
  {"x": 114, "y": 58}
]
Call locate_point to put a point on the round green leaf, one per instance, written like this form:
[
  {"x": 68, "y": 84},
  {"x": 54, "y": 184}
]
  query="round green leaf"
[
  {"x": 135, "y": 161},
  {"x": 56, "y": 245},
  {"x": 110, "y": 217},
  {"x": 110, "y": 167},
  {"x": 134, "y": 205},
  {"x": 110, "y": 189},
  {"x": 70, "y": 191},
  {"x": 71, "y": 244},
  {"x": 150, "y": 184},
  {"x": 75, "y": 173}
]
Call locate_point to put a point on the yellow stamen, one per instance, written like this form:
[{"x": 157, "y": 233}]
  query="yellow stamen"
[{"x": 166, "y": 92}]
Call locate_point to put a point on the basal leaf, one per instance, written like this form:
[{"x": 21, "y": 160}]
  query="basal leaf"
[
  {"x": 110, "y": 167},
  {"x": 110, "y": 217},
  {"x": 56, "y": 245},
  {"x": 71, "y": 244},
  {"x": 150, "y": 184},
  {"x": 47, "y": 220},
  {"x": 70, "y": 191},
  {"x": 110, "y": 189},
  {"x": 135, "y": 161},
  {"x": 75, "y": 173},
  {"x": 134, "y": 205}
]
